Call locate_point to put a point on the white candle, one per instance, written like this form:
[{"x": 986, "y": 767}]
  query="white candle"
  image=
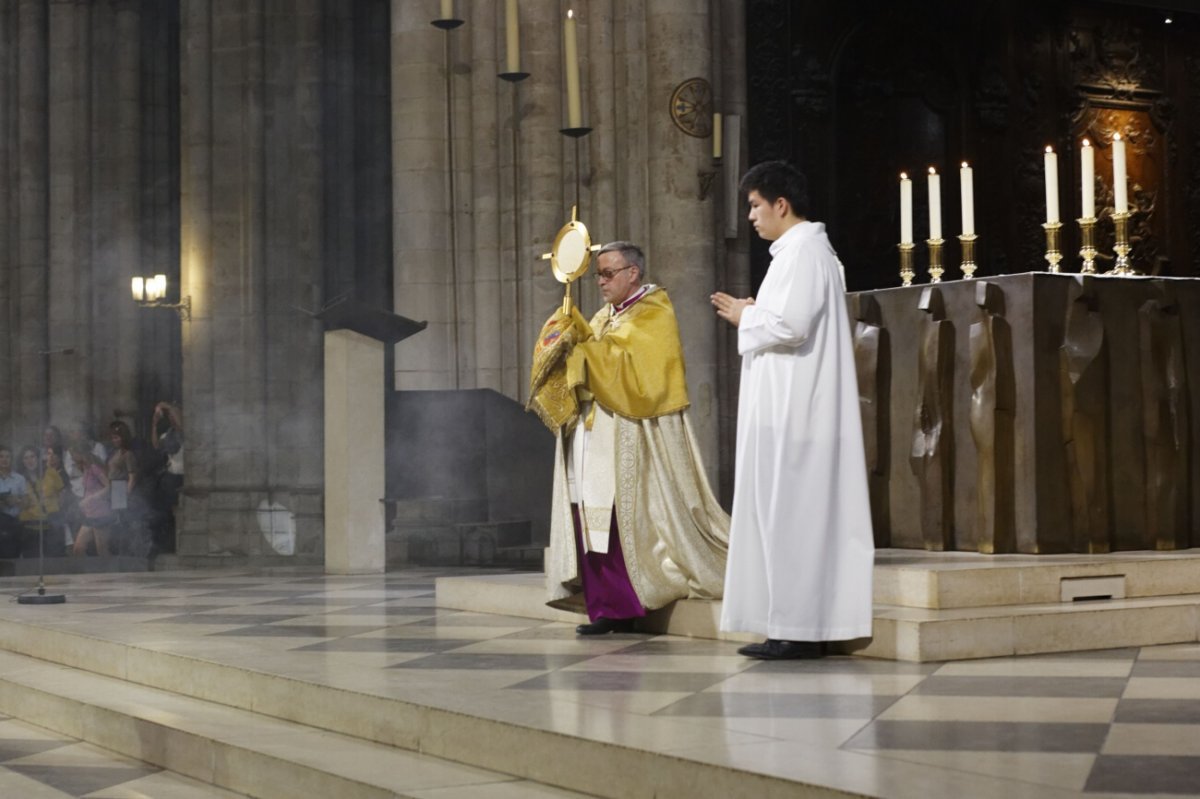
[
  {"x": 1120, "y": 196},
  {"x": 1051, "y": 186},
  {"x": 138, "y": 286},
  {"x": 571, "y": 54},
  {"x": 966, "y": 182},
  {"x": 935, "y": 204},
  {"x": 512, "y": 38},
  {"x": 716, "y": 142},
  {"x": 906, "y": 235},
  {"x": 447, "y": 9},
  {"x": 1087, "y": 168}
]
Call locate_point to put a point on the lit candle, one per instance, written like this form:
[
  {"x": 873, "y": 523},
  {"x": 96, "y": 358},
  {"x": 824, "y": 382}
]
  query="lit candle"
[
  {"x": 447, "y": 9},
  {"x": 1120, "y": 196},
  {"x": 716, "y": 142},
  {"x": 138, "y": 286},
  {"x": 905, "y": 209},
  {"x": 1051, "y": 186},
  {"x": 1087, "y": 168},
  {"x": 935, "y": 204},
  {"x": 966, "y": 182},
  {"x": 571, "y": 53},
  {"x": 512, "y": 38}
]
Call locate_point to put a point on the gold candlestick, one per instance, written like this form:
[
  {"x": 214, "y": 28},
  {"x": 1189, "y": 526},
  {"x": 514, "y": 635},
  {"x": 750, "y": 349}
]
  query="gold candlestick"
[
  {"x": 968, "y": 255},
  {"x": 935, "y": 259},
  {"x": 906, "y": 262},
  {"x": 1121, "y": 247},
  {"x": 1087, "y": 233},
  {"x": 1053, "y": 251}
]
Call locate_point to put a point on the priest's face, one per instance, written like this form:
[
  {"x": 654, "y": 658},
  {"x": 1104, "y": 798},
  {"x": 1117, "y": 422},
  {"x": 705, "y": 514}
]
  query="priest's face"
[
  {"x": 618, "y": 280},
  {"x": 770, "y": 220}
]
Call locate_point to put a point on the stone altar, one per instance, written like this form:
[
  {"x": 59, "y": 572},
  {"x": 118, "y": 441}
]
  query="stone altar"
[{"x": 1070, "y": 410}]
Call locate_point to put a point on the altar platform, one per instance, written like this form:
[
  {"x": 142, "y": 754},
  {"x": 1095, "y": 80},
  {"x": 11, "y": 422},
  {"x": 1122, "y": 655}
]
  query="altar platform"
[
  {"x": 938, "y": 606},
  {"x": 292, "y": 683}
]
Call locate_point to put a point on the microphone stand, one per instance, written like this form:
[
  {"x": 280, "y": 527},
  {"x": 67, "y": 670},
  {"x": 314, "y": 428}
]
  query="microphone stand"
[{"x": 41, "y": 597}]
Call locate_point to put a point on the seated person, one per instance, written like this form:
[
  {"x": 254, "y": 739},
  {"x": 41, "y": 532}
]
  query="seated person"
[
  {"x": 12, "y": 493},
  {"x": 40, "y": 514}
]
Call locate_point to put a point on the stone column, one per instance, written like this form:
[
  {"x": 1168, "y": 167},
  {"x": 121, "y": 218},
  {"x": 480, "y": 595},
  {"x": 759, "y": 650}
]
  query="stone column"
[
  {"x": 422, "y": 248},
  {"x": 294, "y": 269},
  {"x": 28, "y": 289},
  {"x": 546, "y": 197},
  {"x": 8, "y": 161},
  {"x": 251, "y": 358},
  {"x": 733, "y": 255},
  {"x": 681, "y": 224},
  {"x": 481, "y": 137},
  {"x": 70, "y": 202},
  {"x": 113, "y": 119}
]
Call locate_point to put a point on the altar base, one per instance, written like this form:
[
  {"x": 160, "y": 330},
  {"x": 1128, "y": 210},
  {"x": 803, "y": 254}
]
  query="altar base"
[{"x": 937, "y": 606}]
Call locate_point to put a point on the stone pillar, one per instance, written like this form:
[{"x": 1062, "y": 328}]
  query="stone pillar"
[
  {"x": 681, "y": 224},
  {"x": 71, "y": 215},
  {"x": 423, "y": 256},
  {"x": 354, "y": 457},
  {"x": 8, "y": 161},
  {"x": 113, "y": 119},
  {"x": 70, "y": 205},
  {"x": 545, "y": 196},
  {"x": 251, "y": 358},
  {"x": 733, "y": 255},
  {"x": 294, "y": 266},
  {"x": 28, "y": 290}
]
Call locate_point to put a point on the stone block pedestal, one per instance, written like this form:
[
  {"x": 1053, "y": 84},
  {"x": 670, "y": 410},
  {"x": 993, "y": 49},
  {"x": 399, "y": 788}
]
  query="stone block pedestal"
[{"x": 354, "y": 453}]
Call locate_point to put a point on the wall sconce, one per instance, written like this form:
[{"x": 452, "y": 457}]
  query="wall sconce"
[{"x": 151, "y": 292}]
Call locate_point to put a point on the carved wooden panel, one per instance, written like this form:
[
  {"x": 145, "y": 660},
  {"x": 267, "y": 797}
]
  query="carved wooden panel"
[{"x": 856, "y": 92}]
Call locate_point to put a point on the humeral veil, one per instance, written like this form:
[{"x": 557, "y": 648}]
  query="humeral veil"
[{"x": 615, "y": 395}]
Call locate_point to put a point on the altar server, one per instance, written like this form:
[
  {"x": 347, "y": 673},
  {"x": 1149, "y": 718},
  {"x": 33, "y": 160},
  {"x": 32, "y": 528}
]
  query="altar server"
[{"x": 801, "y": 546}]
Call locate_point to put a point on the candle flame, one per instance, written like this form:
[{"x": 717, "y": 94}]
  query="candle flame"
[
  {"x": 904, "y": 176},
  {"x": 1087, "y": 143},
  {"x": 1049, "y": 149},
  {"x": 932, "y": 171},
  {"x": 1116, "y": 137},
  {"x": 570, "y": 13},
  {"x": 964, "y": 165}
]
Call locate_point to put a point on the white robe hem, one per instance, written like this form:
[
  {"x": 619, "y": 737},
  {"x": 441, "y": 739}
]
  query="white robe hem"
[{"x": 795, "y": 633}]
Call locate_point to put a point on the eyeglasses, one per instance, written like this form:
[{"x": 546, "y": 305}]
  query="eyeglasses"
[{"x": 602, "y": 275}]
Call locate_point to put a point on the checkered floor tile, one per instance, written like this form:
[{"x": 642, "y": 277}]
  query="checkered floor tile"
[{"x": 1120, "y": 722}]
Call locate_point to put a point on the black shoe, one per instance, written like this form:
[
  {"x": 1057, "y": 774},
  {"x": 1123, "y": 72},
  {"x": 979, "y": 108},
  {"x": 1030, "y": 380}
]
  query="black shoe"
[
  {"x": 772, "y": 649},
  {"x": 603, "y": 626}
]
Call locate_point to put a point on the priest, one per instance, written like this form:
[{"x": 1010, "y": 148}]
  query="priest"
[
  {"x": 634, "y": 524},
  {"x": 801, "y": 547}
]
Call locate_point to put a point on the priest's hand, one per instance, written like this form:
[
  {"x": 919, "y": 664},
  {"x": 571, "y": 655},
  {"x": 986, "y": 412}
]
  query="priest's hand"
[{"x": 730, "y": 308}]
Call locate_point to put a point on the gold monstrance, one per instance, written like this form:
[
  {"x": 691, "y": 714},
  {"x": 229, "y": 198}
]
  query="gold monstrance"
[{"x": 570, "y": 255}]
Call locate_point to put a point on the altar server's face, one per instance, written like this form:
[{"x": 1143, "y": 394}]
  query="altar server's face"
[{"x": 769, "y": 219}]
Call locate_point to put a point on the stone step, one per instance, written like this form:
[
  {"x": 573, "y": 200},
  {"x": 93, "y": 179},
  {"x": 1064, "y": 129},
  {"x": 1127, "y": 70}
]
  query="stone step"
[
  {"x": 233, "y": 749},
  {"x": 946, "y": 580},
  {"x": 238, "y": 726},
  {"x": 900, "y": 633}
]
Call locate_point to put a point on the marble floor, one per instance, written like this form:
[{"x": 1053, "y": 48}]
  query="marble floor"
[
  {"x": 1109, "y": 723},
  {"x": 38, "y": 764}
]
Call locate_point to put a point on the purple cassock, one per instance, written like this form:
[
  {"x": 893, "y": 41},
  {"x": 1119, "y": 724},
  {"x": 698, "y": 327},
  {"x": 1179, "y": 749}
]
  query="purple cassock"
[{"x": 606, "y": 587}]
